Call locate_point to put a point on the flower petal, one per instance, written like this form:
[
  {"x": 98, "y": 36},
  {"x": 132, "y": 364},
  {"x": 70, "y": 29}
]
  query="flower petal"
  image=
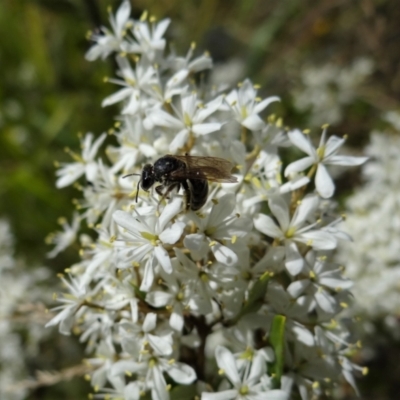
[
  {"x": 163, "y": 258},
  {"x": 299, "y": 165},
  {"x": 324, "y": 183},
  {"x": 302, "y": 142},
  {"x": 182, "y": 373},
  {"x": 172, "y": 234},
  {"x": 280, "y": 210},
  {"x": 267, "y": 226},
  {"x": 227, "y": 363},
  {"x": 253, "y": 122},
  {"x": 224, "y": 255},
  {"x": 317, "y": 239},
  {"x": 345, "y": 160}
]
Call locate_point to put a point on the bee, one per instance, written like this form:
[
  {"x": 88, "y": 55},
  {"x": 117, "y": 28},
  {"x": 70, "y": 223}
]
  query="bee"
[{"x": 192, "y": 173}]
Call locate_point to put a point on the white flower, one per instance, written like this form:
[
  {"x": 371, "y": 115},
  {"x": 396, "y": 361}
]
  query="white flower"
[
  {"x": 152, "y": 370},
  {"x": 318, "y": 290},
  {"x": 72, "y": 303},
  {"x": 134, "y": 82},
  {"x": 149, "y": 39},
  {"x": 146, "y": 234},
  {"x": 85, "y": 163},
  {"x": 108, "y": 42},
  {"x": 189, "y": 120},
  {"x": 218, "y": 227},
  {"x": 246, "y": 107},
  {"x": 245, "y": 387},
  {"x": 66, "y": 237},
  {"x": 295, "y": 229},
  {"x": 138, "y": 340},
  {"x": 184, "y": 65},
  {"x": 325, "y": 154},
  {"x": 176, "y": 298}
]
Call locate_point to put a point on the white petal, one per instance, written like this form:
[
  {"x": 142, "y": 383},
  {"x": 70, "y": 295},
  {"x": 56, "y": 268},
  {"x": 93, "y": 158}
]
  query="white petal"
[
  {"x": 148, "y": 276},
  {"x": 317, "y": 239},
  {"x": 125, "y": 220},
  {"x": 194, "y": 241},
  {"x": 169, "y": 212},
  {"x": 224, "y": 255},
  {"x": 326, "y": 302},
  {"x": 280, "y": 210},
  {"x": 307, "y": 206},
  {"x": 225, "y": 395},
  {"x": 345, "y": 160},
  {"x": 324, "y": 183},
  {"x": 172, "y": 234},
  {"x": 149, "y": 322},
  {"x": 204, "y": 129},
  {"x": 208, "y": 109},
  {"x": 122, "y": 15},
  {"x": 294, "y": 261},
  {"x": 162, "y": 118},
  {"x": 182, "y": 373},
  {"x": 334, "y": 283},
  {"x": 299, "y": 165},
  {"x": 176, "y": 321},
  {"x": 303, "y": 334},
  {"x": 222, "y": 210},
  {"x": 158, "y": 299},
  {"x": 295, "y": 289},
  {"x": 69, "y": 174},
  {"x": 132, "y": 107},
  {"x": 257, "y": 368},
  {"x": 227, "y": 363},
  {"x": 276, "y": 394},
  {"x": 333, "y": 143},
  {"x": 265, "y": 103},
  {"x": 163, "y": 258},
  {"x": 91, "y": 171},
  {"x": 120, "y": 367},
  {"x": 179, "y": 140},
  {"x": 303, "y": 143},
  {"x": 159, "y": 389},
  {"x": 253, "y": 122},
  {"x": 116, "y": 97},
  {"x": 162, "y": 345},
  {"x": 161, "y": 27},
  {"x": 266, "y": 225}
]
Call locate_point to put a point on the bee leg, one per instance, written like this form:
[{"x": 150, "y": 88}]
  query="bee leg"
[
  {"x": 186, "y": 189},
  {"x": 164, "y": 195}
]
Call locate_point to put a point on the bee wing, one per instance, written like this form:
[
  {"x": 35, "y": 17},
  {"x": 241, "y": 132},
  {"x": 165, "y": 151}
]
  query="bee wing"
[
  {"x": 221, "y": 164},
  {"x": 213, "y": 169},
  {"x": 209, "y": 173}
]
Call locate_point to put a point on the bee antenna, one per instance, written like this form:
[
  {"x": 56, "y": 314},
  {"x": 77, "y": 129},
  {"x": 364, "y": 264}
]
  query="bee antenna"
[{"x": 125, "y": 176}]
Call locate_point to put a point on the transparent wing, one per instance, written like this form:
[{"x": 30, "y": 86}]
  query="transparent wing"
[{"x": 213, "y": 169}]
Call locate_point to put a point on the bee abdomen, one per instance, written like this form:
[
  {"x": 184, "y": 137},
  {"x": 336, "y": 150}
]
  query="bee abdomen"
[{"x": 198, "y": 193}]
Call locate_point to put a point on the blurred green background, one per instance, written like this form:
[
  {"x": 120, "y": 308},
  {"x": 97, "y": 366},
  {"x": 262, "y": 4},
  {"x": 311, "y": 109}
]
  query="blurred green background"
[{"x": 49, "y": 93}]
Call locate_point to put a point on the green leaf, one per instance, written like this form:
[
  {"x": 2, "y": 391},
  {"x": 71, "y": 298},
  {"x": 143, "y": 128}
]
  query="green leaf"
[
  {"x": 276, "y": 338},
  {"x": 183, "y": 392},
  {"x": 256, "y": 297}
]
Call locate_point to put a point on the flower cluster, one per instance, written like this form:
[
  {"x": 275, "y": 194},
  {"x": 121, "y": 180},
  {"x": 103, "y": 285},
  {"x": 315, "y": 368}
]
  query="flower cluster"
[
  {"x": 21, "y": 317},
  {"x": 325, "y": 90},
  {"x": 374, "y": 262},
  {"x": 165, "y": 297}
]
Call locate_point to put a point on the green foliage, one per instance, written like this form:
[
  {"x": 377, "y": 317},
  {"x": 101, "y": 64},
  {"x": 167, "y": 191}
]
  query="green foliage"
[{"x": 276, "y": 338}]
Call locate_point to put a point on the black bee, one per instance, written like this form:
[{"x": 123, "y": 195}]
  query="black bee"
[{"x": 190, "y": 172}]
